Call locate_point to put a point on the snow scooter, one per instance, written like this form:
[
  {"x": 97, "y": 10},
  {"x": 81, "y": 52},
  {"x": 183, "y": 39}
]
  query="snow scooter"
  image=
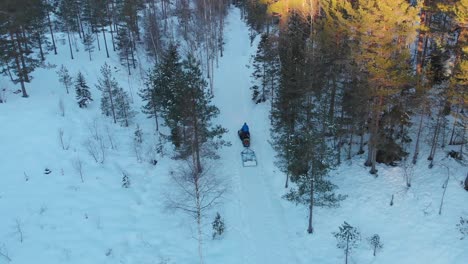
[{"x": 249, "y": 159}]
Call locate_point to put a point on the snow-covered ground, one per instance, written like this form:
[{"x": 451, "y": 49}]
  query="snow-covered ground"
[{"x": 57, "y": 218}]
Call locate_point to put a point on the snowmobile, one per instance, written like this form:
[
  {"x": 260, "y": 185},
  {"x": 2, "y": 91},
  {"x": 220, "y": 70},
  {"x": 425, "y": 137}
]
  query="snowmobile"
[{"x": 249, "y": 159}]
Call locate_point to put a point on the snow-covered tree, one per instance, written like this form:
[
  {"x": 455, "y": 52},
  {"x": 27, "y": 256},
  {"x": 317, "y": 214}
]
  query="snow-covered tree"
[
  {"x": 348, "y": 238},
  {"x": 83, "y": 94}
]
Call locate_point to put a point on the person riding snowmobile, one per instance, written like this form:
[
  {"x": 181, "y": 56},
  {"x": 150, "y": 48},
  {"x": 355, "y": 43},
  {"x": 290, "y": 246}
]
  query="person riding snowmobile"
[{"x": 244, "y": 135}]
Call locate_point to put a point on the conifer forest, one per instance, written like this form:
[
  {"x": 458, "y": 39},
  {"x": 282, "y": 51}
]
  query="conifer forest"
[{"x": 121, "y": 138}]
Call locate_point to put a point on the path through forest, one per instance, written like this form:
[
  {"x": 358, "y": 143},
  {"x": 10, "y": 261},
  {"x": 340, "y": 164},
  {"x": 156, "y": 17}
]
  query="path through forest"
[{"x": 253, "y": 205}]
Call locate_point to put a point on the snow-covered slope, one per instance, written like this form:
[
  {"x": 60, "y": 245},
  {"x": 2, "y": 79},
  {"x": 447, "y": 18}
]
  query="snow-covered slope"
[{"x": 56, "y": 218}]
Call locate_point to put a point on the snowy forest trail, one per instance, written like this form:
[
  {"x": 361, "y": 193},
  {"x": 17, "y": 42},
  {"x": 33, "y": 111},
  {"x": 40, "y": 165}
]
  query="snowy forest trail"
[{"x": 253, "y": 206}]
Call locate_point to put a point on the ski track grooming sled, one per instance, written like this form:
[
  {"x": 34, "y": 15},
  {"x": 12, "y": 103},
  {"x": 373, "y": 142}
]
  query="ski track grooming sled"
[{"x": 248, "y": 158}]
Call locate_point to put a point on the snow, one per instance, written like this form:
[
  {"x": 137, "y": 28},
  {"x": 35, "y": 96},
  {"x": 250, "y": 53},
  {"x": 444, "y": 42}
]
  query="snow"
[{"x": 63, "y": 220}]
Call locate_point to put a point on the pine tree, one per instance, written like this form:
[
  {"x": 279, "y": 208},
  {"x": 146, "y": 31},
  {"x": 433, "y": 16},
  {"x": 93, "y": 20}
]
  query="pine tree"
[
  {"x": 380, "y": 49},
  {"x": 123, "y": 111},
  {"x": 375, "y": 243},
  {"x": 83, "y": 94},
  {"x": 88, "y": 42},
  {"x": 348, "y": 238},
  {"x": 202, "y": 137},
  {"x": 21, "y": 36},
  {"x": 125, "y": 46},
  {"x": 65, "y": 77},
  {"x": 266, "y": 69},
  {"x": 109, "y": 87}
]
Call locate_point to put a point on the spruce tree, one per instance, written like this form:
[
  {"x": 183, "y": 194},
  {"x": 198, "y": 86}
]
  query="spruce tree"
[
  {"x": 83, "y": 94},
  {"x": 163, "y": 93}
]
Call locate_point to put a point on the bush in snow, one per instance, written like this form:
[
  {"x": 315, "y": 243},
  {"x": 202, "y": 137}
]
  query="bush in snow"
[
  {"x": 218, "y": 226},
  {"x": 125, "y": 180},
  {"x": 463, "y": 227},
  {"x": 348, "y": 238},
  {"x": 375, "y": 243}
]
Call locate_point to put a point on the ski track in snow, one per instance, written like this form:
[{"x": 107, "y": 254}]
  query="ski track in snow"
[{"x": 261, "y": 218}]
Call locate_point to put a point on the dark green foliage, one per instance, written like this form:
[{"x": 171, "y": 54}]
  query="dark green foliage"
[
  {"x": 348, "y": 238},
  {"x": 163, "y": 92},
  {"x": 218, "y": 226},
  {"x": 266, "y": 69},
  {"x": 128, "y": 11},
  {"x": 83, "y": 94},
  {"x": 22, "y": 27},
  {"x": 375, "y": 243},
  {"x": 68, "y": 14},
  {"x": 198, "y": 113},
  {"x": 178, "y": 92}
]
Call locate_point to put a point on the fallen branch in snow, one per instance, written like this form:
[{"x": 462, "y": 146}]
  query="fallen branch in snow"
[
  {"x": 65, "y": 145},
  {"x": 19, "y": 230},
  {"x": 78, "y": 165},
  {"x": 4, "y": 253}
]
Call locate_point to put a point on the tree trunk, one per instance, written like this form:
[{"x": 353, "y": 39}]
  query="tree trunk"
[
  {"x": 18, "y": 66},
  {"x": 416, "y": 146},
  {"x": 105, "y": 41},
  {"x": 466, "y": 182},
  {"x": 453, "y": 127},
  {"x": 361, "y": 144},
  {"x": 97, "y": 39},
  {"x": 69, "y": 44},
  {"x": 109, "y": 90},
  {"x": 347, "y": 249},
  {"x": 51, "y": 33},
  {"x": 41, "y": 52},
  {"x": 310, "y": 229},
  {"x": 21, "y": 55}
]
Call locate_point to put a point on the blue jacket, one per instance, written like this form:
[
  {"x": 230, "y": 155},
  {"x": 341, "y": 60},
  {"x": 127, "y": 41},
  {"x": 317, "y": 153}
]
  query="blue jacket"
[{"x": 245, "y": 128}]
